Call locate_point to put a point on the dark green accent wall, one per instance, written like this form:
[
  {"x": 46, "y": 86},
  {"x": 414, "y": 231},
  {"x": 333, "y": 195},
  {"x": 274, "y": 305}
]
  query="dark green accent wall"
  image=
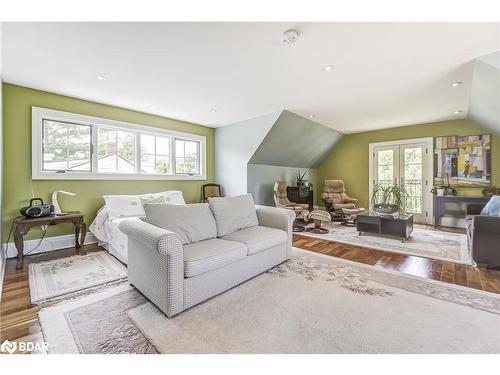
[
  {"x": 17, "y": 103},
  {"x": 349, "y": 159}
]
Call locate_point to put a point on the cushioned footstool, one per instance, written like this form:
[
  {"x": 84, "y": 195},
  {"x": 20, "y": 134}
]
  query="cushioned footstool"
[{"x": 319, "y": 216}]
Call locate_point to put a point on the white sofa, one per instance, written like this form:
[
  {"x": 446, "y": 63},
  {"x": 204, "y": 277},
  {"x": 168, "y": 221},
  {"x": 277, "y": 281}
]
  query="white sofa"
[{"x": 177, "y": 272}]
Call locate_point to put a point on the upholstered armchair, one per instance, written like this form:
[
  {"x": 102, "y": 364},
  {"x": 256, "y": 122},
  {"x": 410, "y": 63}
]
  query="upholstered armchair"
[
  {"x": 335, "y": 198},
  {"x": 281, "y": 201}
]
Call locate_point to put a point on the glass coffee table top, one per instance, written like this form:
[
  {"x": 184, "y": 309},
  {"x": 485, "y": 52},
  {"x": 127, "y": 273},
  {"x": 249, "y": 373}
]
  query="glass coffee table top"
[{"x": 396, "y": 216}]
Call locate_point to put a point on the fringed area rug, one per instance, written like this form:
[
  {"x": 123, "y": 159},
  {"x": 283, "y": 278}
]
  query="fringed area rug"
[
  {"x": 434, "y": 244},
  {"x": 310, "y": 304},
  {"x": 57, "y": 278}
]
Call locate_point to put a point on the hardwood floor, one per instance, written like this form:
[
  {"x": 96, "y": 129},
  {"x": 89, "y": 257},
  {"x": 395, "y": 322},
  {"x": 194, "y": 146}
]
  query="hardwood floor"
[
  {"x": 19, "y": 320},
  {"x": 472, "y": 277},
  {"x": 18, "y": 317}
]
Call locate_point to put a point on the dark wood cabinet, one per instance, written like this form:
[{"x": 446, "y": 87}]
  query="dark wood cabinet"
[{"x": 302, "y": 194}]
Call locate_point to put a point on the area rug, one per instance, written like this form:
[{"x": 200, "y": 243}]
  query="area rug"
[
  {"x": 56, "y": 278},
  {"x": 434, "y": 244},
  {"x": 310, "y": 304}
]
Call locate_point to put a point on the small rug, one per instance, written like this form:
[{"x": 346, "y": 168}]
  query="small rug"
[
  {"x": 57, "y": 278},
  {"x": 310, "y": 304},
  {"x": 434, "y": 244}
]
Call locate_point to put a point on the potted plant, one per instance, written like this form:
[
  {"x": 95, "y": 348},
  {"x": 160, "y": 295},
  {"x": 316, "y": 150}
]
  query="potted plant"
[
  {"x": 438, "y": 190},
  {"x": 389, "y": 199},
  {"x": 301, "y": 180}
]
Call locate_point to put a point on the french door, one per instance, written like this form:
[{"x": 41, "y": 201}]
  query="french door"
[{"x": 408, "y": 165}]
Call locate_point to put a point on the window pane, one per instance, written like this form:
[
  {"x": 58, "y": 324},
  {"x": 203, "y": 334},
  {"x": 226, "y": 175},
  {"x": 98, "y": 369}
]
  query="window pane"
[
  {"x": 147, "y": 163},
  {"x": 155, "y": 153},
  {"x": 162, "y": 164},
  {"x": 162, "y": 146},
  {"x": 385, "y": 157},
  {"x": 413, "y": 155},
  {"x": 385, "y": 174},
  {"x": 116, "y": 151},
  {"x": 66, "y": 146},
  {"x": 186, "y": 157},
  {"x": 147, "y": 144}
]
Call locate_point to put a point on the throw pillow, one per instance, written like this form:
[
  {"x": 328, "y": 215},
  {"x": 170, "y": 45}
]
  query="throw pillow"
[
  {"x": 132, "y": 205},
  {"x": 233, "y": 213},
  {"x": 152, "y": 200},
  {"x": 492, "y": 208},
  {"x": 191, "y": 222},
  {"x": 123, "y": 206}
]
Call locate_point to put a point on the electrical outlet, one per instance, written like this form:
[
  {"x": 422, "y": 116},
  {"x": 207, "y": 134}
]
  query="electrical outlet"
[{"x": 43, "y": 227}]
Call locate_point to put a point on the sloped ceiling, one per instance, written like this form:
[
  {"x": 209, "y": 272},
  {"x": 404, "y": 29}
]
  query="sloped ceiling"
[
  {"x": 295, "y": 141},
  {"x": 384, "y": 74},
  {"x": 484, "y": 103}
]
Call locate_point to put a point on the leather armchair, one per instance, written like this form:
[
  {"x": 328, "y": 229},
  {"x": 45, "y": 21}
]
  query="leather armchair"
[
  {"x": 335, "y": 198},
  {"x": 483, "y": 236},
  {"x": 281, "y": 200}
]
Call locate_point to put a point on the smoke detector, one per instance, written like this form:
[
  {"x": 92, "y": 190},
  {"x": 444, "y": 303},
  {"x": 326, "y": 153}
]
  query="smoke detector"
[{"x": 290, "y": 36}]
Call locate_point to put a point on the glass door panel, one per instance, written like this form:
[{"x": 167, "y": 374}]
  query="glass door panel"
[{"x": 405, "y": 165}]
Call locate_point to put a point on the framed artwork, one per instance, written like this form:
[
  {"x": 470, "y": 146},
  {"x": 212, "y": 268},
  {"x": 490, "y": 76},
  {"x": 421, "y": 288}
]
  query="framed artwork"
[{"x": 462, "y": 161}]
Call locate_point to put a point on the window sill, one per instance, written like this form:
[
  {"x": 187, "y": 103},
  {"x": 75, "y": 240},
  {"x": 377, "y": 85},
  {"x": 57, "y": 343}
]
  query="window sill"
[{"x": 112, "y": 176}]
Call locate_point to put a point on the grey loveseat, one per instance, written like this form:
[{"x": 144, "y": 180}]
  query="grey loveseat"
[
  {"x": 483, "y": 236},
  {"x": 176, "y": 276}
]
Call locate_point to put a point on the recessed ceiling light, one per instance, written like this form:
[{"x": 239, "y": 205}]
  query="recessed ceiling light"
[
  {"x": 328, "y": 68},
  {"x": 310, "y": 116},
  {"x": 101, "y": 78},
  {"x": 457, "y": 112},
  {"x": 213, "y": 110},
  {"x": 342, "y": 129},
  {"x": 456, "y": 84}
]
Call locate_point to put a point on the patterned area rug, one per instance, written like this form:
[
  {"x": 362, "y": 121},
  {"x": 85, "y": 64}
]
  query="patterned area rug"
[
  {"x": 434, "y": 244},
  {"x": 56, "y": 278},
  {"x": 309, "y": 304}
]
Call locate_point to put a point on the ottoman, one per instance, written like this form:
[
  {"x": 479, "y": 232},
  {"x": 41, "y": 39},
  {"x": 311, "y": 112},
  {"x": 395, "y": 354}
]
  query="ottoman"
[{"x": 319, "y": 216}]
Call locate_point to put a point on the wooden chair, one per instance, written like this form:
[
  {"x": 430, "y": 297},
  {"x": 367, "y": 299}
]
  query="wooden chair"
[{"x": 210, "y": 191}]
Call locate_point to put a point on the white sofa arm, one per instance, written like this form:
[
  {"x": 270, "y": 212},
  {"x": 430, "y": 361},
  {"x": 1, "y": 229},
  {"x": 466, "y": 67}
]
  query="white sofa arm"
[
  {"x": 155, "y": 264},
  {"x": 150, "y": 235},
  {"x": 279, "y": 218}
]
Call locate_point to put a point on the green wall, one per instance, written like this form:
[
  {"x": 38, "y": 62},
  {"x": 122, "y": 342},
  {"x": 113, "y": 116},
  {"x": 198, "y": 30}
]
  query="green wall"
[
  {"x": 349, "y": 159},
  {"x": 17, "y": 103}
]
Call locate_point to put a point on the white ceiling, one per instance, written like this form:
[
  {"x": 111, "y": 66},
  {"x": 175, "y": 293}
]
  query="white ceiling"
[{"x": 384, "y": 74}]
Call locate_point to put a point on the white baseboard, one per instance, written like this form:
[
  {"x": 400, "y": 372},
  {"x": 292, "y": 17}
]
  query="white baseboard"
[
  {"x": 2, "y": 270},
  {"x": 48, "y": 244}
]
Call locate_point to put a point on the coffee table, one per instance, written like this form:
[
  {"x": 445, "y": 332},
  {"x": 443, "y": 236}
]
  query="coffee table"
[{"x": 398, "y": 225}]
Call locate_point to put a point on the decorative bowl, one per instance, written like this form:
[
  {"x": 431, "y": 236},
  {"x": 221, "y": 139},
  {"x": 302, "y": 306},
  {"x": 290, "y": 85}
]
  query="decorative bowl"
[{"x": 385, "y": 208}]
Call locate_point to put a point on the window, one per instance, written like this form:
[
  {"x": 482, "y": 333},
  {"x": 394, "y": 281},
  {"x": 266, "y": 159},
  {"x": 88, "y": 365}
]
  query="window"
[
  {"x": 155, "y": 154},
  {"x": 66, "y": 146},
  {"x": 72, "y": 146},
  {"x": 186, "y": 160},
  {"x": 116, "y": 151}
]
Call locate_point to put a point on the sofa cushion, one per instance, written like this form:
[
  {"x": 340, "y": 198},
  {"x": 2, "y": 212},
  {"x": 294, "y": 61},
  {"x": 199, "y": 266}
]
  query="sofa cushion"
[
  {"x": 233, "y": 213},
  {"x": 209, "y": 255},
  {"x": 258, "y": 238},
  {"x": 192, "y": 222},
  {"x": 492, "y": 208}
]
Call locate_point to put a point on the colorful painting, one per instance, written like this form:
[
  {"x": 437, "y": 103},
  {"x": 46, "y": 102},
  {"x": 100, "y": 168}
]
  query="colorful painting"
[{"x": 463, "y": 161}]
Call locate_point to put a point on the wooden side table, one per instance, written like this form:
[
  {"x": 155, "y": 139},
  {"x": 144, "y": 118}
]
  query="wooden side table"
[{"x": 23, "y": 226}]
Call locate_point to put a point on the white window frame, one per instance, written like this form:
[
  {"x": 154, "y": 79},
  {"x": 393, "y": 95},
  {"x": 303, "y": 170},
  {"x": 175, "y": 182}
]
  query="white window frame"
[{"x": 37, "y": 173}]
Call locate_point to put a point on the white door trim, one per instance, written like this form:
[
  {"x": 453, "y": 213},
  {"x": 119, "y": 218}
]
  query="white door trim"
[{"x": 429, "y": 141}]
